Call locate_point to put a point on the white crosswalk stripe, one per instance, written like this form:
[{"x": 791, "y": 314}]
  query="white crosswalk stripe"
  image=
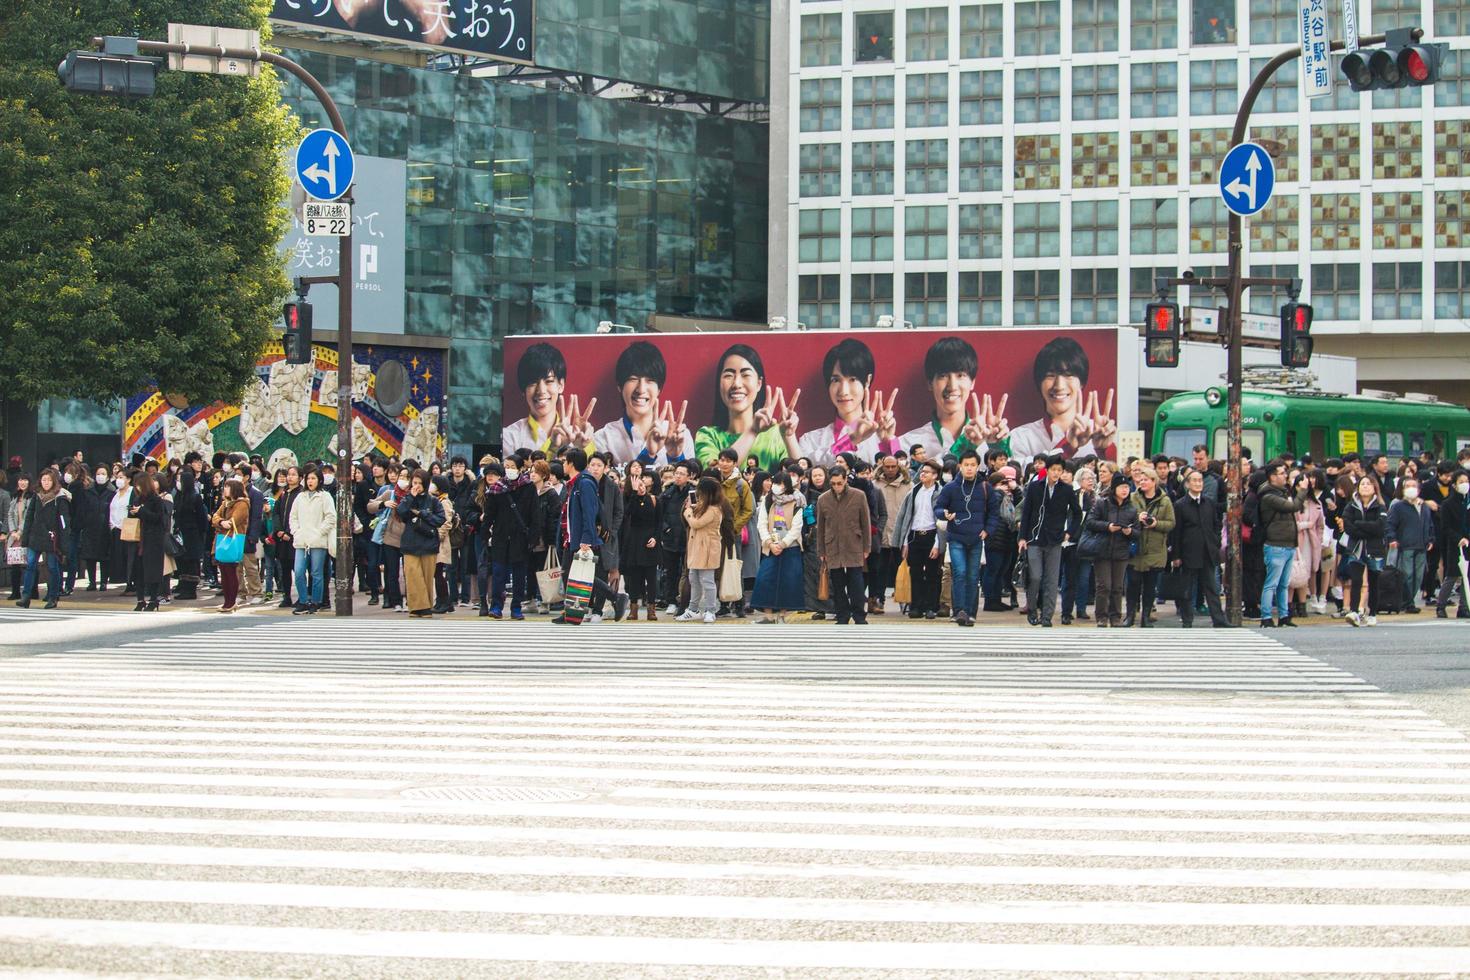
[{"x": 457, "y": 798}]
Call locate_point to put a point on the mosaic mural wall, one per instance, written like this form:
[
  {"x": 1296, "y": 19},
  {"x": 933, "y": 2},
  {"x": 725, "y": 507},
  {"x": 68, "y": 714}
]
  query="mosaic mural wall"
[{"x": 291, "y": 410}]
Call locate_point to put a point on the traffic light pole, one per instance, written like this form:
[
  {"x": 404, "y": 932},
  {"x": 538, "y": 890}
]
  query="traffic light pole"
[
  {"x": 342, "y": 605},
  {"x": 1235, "y": 286}
]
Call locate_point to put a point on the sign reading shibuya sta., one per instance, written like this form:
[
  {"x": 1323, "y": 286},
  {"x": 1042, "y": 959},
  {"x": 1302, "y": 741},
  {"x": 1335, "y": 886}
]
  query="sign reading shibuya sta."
[{"x": 498, "y": 29}]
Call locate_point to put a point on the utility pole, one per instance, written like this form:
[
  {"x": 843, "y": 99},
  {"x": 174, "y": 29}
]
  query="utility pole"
[{"x": 342, "y": 606}]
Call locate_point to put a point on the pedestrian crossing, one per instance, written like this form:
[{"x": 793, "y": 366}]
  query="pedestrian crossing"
[{"x": 365, "y": 799}]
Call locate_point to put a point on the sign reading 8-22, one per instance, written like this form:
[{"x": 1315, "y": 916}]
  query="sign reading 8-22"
[{"x": 502, "y": 30}]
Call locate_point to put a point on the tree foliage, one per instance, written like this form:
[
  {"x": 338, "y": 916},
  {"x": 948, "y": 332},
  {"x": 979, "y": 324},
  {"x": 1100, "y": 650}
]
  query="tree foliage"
[{"x": 138, "y": 239}]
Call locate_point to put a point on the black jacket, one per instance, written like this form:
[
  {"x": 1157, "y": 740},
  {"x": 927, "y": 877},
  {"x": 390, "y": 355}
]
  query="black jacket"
[
  {"x": 44, "y": 523},
  {"x": 424, "y": 515},
  {"x": 1278, "y": 516},
  {"x": 1197, "y": 532},
  {"x": 673, "y": 533},
  {"x": 507, "y": 519},
  {"x": 155, "y": 521},
  {"x": 1365, "y": 528},
  {"x": 640, "y": 522},
  {"x": 1108, "y": 511},
  {"x": 1046, "y": 517},
  {"x": 190, "y": 518},
  {"x": 90, "y": 514}
]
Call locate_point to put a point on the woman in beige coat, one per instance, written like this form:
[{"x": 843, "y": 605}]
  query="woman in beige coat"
[{"x": 702, "y": 556}]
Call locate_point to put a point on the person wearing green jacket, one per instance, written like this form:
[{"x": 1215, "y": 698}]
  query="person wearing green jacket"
[{"x": 1156, "y": 518}]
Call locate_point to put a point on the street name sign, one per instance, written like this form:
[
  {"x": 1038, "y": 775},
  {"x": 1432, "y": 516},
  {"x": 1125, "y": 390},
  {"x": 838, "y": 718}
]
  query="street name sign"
[
  {"x": 324, "y": 164},
  {"x": 1316, "y": 66},
  {"x": 1247, "y": 177}
]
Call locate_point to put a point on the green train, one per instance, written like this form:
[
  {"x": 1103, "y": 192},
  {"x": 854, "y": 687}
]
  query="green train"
[{"x": 1321, "y": 424}]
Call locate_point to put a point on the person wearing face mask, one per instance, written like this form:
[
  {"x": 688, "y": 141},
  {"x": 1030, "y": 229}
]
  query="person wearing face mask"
[
  {"x": 1453, "y": 540},
  {"x": 388, "y": 533},
  {"x": 1410, "y": 538},
  {"x": 285, "y": 546},
  {"x": 120, "y": 567}
]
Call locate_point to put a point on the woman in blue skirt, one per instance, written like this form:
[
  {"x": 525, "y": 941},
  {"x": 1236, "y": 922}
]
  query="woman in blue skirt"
[{"x": 779, "y": 582}]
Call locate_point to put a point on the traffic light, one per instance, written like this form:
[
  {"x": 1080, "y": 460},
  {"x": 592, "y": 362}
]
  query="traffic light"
[
  {"x": 117, "y": 70},
  {"x": 1296, "y": 335},
  {"x": 1161, "y": 335},
  {"x": 1400, "y": 63},
  {"x": 297, "y": 340}
]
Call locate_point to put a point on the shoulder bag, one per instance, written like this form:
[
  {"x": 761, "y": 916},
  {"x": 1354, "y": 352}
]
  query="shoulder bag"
[
  {"x": 229, "y": 549},
  {"x": 548, "y": 580}
]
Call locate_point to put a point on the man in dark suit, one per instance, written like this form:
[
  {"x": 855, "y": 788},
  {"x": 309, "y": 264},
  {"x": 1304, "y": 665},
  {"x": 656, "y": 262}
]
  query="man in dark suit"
[{"x": 1197, "y": 547}]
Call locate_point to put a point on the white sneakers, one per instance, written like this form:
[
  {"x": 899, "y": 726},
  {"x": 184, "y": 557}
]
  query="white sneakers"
[
  {"x": 670, "y": 609},
  {"x": 594, "y": 618},
  {"x": 687, "y": 616},
  {"x": 709, "y": 617},
  {"x": 1352, "y": 617},
  {"x": 1357, "y": 619},
  {"x": 1372, "y": 620}
]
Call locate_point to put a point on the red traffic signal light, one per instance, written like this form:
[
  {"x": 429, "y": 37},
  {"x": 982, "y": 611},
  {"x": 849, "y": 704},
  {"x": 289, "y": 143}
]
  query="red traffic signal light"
[
  {"x": 297, "y": 339},
  {"x": 1161, "y": 335},
  {"x": 1296, "y": 335},
  {"x": 1400, "y": 63}
]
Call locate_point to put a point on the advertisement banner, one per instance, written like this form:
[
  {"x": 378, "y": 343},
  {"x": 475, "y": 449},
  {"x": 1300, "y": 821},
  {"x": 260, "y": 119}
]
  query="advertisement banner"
[
  {"x": 817, "y": 394},
  {"x": 499, "y": 29}
]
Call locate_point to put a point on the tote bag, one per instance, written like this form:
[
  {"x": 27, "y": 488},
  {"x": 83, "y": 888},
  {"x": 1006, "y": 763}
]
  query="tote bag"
[
  {"x": 548, "y": 580},
  {"x": 903, "y": 585},
  {"x": 732, "y": 589},
  {"x": 229, "y": 549},
  {"x": 132, "y": 529},
  {"x": 15, "y": 555}
]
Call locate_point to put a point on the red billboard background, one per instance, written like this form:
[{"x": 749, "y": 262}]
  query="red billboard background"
[{"x": 793, "y": 360}]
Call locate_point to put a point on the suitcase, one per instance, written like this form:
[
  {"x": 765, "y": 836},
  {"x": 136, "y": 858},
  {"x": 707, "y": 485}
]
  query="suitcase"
[{"x": 1390, "y": 590}]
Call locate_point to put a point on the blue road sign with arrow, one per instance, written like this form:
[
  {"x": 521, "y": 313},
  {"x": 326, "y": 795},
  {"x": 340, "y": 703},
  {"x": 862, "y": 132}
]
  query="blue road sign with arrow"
[
  {"x": 324, "y": 164},
  {"x": 1247, "y": 177}
]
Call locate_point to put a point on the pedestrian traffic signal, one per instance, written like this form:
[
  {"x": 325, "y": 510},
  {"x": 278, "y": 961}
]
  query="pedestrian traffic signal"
[
  {"x": 1161, "y": 335},
  {"x": 1400, "y": 63},
  {"x": 1296, "y": 335},
  {"x": 297, "y": 340}
]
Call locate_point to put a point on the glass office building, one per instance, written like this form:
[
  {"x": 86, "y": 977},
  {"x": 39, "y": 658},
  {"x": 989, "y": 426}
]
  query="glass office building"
[{"x": 1039, "y": 163}]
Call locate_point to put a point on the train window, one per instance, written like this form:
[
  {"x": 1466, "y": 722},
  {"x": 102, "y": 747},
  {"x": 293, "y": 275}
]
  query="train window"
[
  {"x": 1181, "y": 442},
  {"x": 1440, "y": 441},
  {"x": 1395, "y": 444},
  {"x": 1253, "y": 440},
  {"x": 1372, "y": 442},
  {"x": 1317, "y": 436},
  {"x": 1416, "y": 443}
]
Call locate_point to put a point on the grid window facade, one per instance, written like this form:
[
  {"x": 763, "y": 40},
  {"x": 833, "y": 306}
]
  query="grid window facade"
[
  {"x": 1336, "y": 291},
  {"x": 1398, "y": 220},
  {"x": 982, "y": 164},
  {"x": 821, "y": 170},
  {"x": 1397, "y": 152},
  {"x": 926, "y": 100},
  {"x": 982, "y": 33},
  {"x": 1453, "y": 87},
  {"x": 1095, "y": 228},
  {"x": 1280, "y": 93},
  {"x": 1207, "y": 147},
  {"x": 1335, "y": 151},
  {"x": 819, "y": 235},
  {"x": 1038, "y": 27},
  {"x": 926, "y": 167},
  {"x": 1451, "y": 17},
  {"x": 1095, "y": 160},
  {"x": 872, "y": 297},
  {"x": 821, "y": 39},
  {"x": 872, "y": 234},
  {"x": 928, "y": 34},
  {"x": 1213, "y": 22},
  {"x": 1153, "y": 158},
  {"x": 1038, "y": 163},
  {"x": 872, "y": 102},
  {"x": 1154, "y": 24},
  {"x": 981, "y": 231},
  {"x": 873, "y": 36},
  {"x": 1274, "y": 229},
  {"x": 1094, "y": 25},
  {"x": 1451, "y": 221},
  {"x": 982, "y": 98},
  {"x": 926, "y": 232},
  {"x": 1212, "y": 88},
  {"x": 1398, "y": 98},
  {"x": 1141, "y": 290},
  {"x": 819, "y": 301},
  {"x": 821, "y": 104},
  {"x": 1038, "y": 95},
  {"x": 926, "y": 298},
  {"x": 1036, "y": 229},
  {"x": 1269, "y": 299},
  {"x": 1274, "y": 21},
  {"x": 1335, "y": 222},
  {"x": 1451, "y": 143},
  {"x": 1209, "y": 226},
  {"x": 1153, "y": 226},
  {"x": 1038, "y": 296},
  {"x": 1398, "y": 291},
  {"x": 872, "y": 168},
  {"x": 1452, "y": 290},
  {"x": 1094, "y": 296},
  {"x": 1154, "y": 89},
  {"x": 1095, "y": 92},
  {"x": 979, "y": 299}
]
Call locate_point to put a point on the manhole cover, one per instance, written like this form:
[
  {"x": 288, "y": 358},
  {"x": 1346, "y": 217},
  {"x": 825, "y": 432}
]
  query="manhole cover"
[
  {"x": 493, "y": 794},
  {"x": 1169, "y": 694}
]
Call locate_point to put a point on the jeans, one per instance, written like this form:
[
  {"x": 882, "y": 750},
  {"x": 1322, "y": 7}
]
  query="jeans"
[
  {"x": 269, "y": 569},
  {"x": 1076, "y": 582},
  {"x": 1277, "y": 591},
  {"x": 53, "y": 574},
  {"x": 848, "y": 594},
  {"x": 500, "y": 571},
  {"x": 1045, "y": 564},
  {"x": 73, "y": 560},
  {"x": 964, "y": 561},
  {"x": 315, "y": 561},
  {"x": 1411, "y": 562}
]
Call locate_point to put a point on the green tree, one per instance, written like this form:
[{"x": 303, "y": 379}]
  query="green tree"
[{"x": 138, "y": 239}]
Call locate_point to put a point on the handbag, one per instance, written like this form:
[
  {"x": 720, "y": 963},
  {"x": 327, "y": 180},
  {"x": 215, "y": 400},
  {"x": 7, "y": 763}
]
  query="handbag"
[
  {"x": 824, "y": 586},
  {"x": 132, "y": 529},
  {"x": 732, "y": 589},
  {"x": 903, "y": 584},
  {"x": 229, "y": 549},
  {"x": 15, "y": 555},
  {"x": 1176, "y": 586},
  {"x": 1301, "y": 572},
  {"x": 579, "y": 589},
  {"x": 548, "y": 580},
  {"x": 173, "y": 544},
  {"x": 1090, "y": 545}
]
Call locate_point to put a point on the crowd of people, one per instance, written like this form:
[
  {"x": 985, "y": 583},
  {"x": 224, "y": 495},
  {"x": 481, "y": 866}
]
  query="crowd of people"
[{"x": 902, "y": 534}]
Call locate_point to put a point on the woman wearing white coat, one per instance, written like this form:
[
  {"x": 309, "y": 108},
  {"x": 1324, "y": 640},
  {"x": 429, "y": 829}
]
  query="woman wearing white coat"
[{"x": 313, "y": 530}]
